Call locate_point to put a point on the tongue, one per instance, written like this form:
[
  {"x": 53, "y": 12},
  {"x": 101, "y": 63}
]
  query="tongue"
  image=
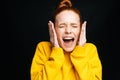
[{"x": 68, "y": 43}]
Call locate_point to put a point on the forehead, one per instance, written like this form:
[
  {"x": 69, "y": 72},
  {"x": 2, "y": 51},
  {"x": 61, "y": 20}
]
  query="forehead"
[{"x": 67, "y": 15}]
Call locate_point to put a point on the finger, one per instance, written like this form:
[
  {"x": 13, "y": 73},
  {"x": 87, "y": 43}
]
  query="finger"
[
  {"x": 51, "y": 33},
  {"x": 53, "y": 29},
  {"x": 50, "y": 28},
  {"x": 50, "y": 25},
  {"x": 83, "y": 31}
]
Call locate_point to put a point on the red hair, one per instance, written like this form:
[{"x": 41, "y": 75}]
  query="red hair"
[{"x": 65, "y": 5}]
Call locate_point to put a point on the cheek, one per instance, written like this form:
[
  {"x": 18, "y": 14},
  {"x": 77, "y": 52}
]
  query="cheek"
[
  {"x": 58, "y": 32},
  {"x": 77, "y": 32}
]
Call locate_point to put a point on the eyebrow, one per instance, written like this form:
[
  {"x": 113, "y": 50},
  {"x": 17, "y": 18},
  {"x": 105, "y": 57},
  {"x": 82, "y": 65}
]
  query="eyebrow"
[
  {"x": 62, "y": 24},
  {"x": 65, "y": 24},
  {"x": 74, "y": 24}
]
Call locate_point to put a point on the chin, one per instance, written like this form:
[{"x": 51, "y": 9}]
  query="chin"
[{"x": 68, "y": 50}]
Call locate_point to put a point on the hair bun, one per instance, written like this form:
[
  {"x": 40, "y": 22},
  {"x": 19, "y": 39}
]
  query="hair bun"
[{"x": 65, "y": 3}]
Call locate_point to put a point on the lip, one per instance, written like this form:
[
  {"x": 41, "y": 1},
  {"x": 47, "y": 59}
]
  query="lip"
[{"x": 68, "y": 37}]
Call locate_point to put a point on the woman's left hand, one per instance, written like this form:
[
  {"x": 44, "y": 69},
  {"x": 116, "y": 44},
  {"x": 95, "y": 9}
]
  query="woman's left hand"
[{"x": 82, "y": 38}]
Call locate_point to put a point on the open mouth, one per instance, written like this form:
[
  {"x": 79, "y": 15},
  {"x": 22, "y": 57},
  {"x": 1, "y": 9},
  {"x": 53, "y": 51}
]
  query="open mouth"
[{"x": 68, "y": 39}]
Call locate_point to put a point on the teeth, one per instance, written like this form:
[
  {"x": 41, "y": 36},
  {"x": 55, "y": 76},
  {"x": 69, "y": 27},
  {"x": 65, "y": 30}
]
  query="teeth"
[{"x": 67, "y": 38}]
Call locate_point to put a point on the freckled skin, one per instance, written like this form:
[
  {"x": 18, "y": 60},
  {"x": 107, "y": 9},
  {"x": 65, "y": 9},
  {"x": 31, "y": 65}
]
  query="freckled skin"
[{"x": 67, "y": 24}]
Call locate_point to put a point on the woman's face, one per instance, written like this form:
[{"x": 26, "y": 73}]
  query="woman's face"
[{"x": 67, "y": 26}]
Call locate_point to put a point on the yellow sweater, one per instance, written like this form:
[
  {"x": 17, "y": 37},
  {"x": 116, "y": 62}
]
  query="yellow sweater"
[{"x": 50, "y": 63}]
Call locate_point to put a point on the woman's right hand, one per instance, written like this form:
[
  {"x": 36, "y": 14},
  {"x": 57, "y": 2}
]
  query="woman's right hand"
[{"x": 52, "y": 33}]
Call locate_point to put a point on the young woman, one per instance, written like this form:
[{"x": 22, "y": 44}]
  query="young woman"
[{"x": 67, "y": 56}]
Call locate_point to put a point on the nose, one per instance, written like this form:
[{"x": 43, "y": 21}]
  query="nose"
[{"x": 67, "y": 30}]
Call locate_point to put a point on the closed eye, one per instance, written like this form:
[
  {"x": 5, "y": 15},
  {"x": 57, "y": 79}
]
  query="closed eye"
[
  {"x": 61, "y": 26},
  {"x": 75, "y": 26}
]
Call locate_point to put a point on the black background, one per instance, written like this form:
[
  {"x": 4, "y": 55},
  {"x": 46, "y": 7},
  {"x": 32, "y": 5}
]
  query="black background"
[{"x": 26, "y": 22}]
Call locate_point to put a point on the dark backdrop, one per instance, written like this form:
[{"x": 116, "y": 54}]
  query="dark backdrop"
[{"x": 27, "y": 25}]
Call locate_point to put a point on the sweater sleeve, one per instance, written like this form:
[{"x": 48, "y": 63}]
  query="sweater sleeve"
[
  {"x": 46, "y": 64},
  {"x": 87, "y": 62}
]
